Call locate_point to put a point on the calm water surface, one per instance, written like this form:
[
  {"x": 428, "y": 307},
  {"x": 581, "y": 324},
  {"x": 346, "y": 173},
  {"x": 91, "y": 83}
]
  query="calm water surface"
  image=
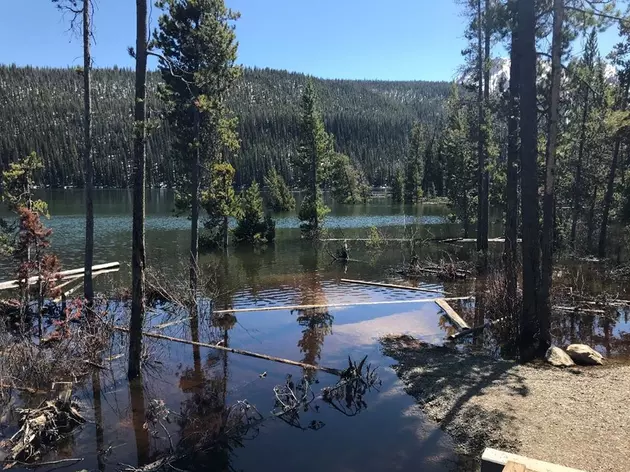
[{"x": 198, "y": 385}]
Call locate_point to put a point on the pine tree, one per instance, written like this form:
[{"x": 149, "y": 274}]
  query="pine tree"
[
  {"x": 312, "y": 157},
  {"x": 415, "y": 166},
  {"x": 348, "y": 183},
  {"x": 457, "y": 147},
  {"x": 221, "y": 203},
  {"x": 398, "y": 186},
  {"x": 279, "y": 196},
  {"x": 198, "y": 68},
  {"x": 252, "y": 227}
]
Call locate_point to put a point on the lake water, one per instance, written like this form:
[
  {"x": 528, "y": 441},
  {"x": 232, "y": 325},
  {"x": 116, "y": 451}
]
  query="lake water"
[{"x": 385, "y": 430}]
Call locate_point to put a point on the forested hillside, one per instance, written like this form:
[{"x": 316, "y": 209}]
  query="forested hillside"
[{"x": 371, "y": 120}]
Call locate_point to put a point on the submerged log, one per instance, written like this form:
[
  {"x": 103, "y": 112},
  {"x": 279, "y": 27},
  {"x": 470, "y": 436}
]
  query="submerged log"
[
  {"x": 335, "y": 305},
  {"x": 403, "y": 287},
  {"x": 242, "y": 352}
]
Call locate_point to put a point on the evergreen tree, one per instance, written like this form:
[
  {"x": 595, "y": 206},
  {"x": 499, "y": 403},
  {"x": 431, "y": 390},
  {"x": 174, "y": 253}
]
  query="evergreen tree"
[
  {"x": 398, "y": 186},
  {"x": 220, "y": 202},
  {"x": 348, "y": 183},
  {"x": 312, "y": 157},
  {"x": 252, "y": 227},
  {"x": 198, "y": 68},
  {"x": 459, "y": 155},
  {"x": 415, "y": 166},
  {"x": 279, "y": 195}
]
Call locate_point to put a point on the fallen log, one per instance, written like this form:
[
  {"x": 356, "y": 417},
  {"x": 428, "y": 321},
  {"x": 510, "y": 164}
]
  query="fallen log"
[
  {"x": 404, "y": 287},
  {"x": 578, "y": 309},
  {"x": 100, "y": 268},
  {"x": 457, "y": 320},
  {"x": 334, "y": 305},
  {"x": 242, "y": 352}
]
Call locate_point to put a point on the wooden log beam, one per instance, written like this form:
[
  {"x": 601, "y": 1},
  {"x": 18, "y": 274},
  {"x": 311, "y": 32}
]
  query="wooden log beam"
[
  {"x": 403, "y": 287},
  {"x": 11, "y": 284},
  {"x": 335, "y": 305},
  {"x": 233, "y": 350},
  {"x": 457, "y": 320}
]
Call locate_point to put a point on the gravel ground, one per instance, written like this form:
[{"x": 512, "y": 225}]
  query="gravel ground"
[{"x": 575, "y": 417}]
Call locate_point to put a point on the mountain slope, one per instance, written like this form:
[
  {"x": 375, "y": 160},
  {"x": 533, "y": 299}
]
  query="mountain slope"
[{"x": 41, "y": 111}]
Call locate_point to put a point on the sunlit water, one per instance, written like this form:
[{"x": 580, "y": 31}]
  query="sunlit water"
[{"x": 388, "y": 432}]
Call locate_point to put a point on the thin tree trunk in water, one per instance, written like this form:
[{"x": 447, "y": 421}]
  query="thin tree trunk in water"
[
  {"x": 544, "y": 308},
  {"x": 610, "y": 186},
  {"x": 482, "y": 211},
  {"x": 138, "y": 260},
  {"x": 88, "y": 288},
  {"x": 194, "y": 218},
  {"x": 577, "y": 185},
  {"x": 138, "y": 418},
  {"x": 590, "y": 225},
  {"x": 511, "y": 210},
  {"x": 529, "y": 182},
  {"x": 98, "y": 419}
]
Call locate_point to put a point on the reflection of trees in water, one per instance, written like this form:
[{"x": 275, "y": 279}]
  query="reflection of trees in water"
[{"x": 317, "y": 324}]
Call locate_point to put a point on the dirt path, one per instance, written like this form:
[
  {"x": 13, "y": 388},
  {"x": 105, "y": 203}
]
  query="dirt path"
[{"x": 576, "y": 417}]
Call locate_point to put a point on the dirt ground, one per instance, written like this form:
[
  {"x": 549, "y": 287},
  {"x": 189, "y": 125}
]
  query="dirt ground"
[{"x": 575, "y": 417}]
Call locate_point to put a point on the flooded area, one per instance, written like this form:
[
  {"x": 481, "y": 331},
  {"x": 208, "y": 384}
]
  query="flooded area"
[{"x": 190, "y": 394}]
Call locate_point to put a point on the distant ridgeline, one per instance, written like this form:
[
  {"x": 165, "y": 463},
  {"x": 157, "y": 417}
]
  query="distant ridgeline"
[{"x": 41, "y": 110}]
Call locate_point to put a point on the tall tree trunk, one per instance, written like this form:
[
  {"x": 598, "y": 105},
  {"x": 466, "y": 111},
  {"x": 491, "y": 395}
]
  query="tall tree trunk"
[
  {"x": 88, "y": 288},
  {"x": 590, "y": 222},
  {"x": 482, "y": 204},
  {"x": 529, "y": 179},
  {"x": 610, "y": 185},
  {"x": 511, "y": 196},
  {"x": 138, "y": 259},
  {"x": 544, "y": 308},
  {"x": 194, "y": 217},
  {"x": 577, "y": 185}
]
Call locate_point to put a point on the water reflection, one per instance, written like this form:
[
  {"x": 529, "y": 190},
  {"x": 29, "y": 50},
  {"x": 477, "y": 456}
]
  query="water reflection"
[
  {"x": 316, "y": 322},
  {"x": 136, "y": 395}
]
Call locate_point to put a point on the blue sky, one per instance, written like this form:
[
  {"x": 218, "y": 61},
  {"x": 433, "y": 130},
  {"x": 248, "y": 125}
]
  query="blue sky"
[{"x": 350, "y": 39}]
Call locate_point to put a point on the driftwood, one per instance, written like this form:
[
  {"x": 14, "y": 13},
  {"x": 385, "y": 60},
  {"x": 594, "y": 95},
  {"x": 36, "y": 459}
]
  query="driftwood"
[
  {"x": 236, "y": 351},
  {"x": 43, "y": 426},
  {"x": 438, "y": 271},
  {"x": 579, "y": 309},
  {"x": 334, "y": 305},
  {"x": 452, "y": 315},
  {"x": 404, "y": 287}
]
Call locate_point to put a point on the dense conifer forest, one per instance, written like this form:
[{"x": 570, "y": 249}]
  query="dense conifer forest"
[{"x": 370, "y": 121}]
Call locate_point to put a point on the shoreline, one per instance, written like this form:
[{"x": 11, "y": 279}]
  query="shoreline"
[{"x": 573, "y": 417}]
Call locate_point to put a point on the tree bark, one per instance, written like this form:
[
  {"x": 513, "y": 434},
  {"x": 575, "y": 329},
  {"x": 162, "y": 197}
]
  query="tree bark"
[
  {"x": 544, "y": 308},
  {"x": 138, "y": 259},
  {"x": 529, "y": 327},
  {"x": 194, "y": 217},
  {"x": 590, "y": 222},
  {"x": 610, "y": 186},
  {"x": 88, "y": 288},
  {"x": 511, "y": 197},
  {"x": 577, "y": 185},
  {"x": 482, "y": 204}
]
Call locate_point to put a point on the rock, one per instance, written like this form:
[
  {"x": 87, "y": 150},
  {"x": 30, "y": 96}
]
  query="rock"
[
  {"x": 559, "y": 358},
  {"x": 582, "y": 354}
]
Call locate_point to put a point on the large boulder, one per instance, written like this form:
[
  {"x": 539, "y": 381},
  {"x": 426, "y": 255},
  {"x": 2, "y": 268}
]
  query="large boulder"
[
  {"x": 559, "y": 358},
  {"x": 582, "y": 354}
]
